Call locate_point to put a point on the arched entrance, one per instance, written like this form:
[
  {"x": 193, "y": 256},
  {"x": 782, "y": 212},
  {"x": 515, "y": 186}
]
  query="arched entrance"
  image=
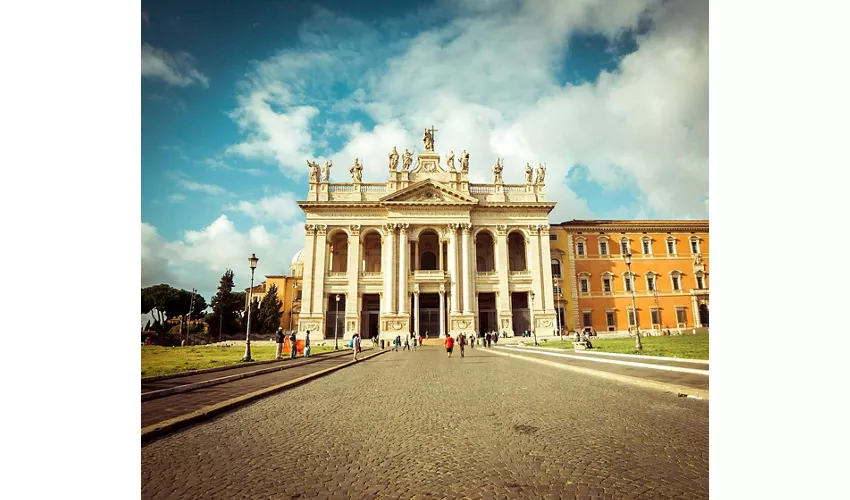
[{"x": 703, "y": 314}]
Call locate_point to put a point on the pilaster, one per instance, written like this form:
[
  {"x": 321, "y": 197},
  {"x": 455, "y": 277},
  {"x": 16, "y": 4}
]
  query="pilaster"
[
  {"x": 453, "y": 272},
  {"x": 403, "y": 258},
  {"x": 309, "y": 262},
  {"x": 388, "y": 269},
  {"x": 503, "y": 266},
  {"x": 534, "y": 266},
  {"x": 467, "y": 281},
  {"x": 352, "y": 302},
  {"x": 321, "y": 264}
]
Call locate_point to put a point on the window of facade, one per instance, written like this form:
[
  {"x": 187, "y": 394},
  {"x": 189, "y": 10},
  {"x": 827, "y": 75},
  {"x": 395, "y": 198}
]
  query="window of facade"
[
  {"x": 553, "y": 237},
  {"x": 587, "y": 318},
  {"x": 603, "y": 245},
  {"x": 656, "y": 316},
  {"x": 628, "y": 283},
  {"x": 580, "y": 244},
  {"x": 694, "y": 245},
  {"x": 671, "y": 246},
  {"x": 676, "y": 282},
  {"x": 699, "y": 283},
  {"x": 584, "y": 285},
  {"x": 681, "y": 316},
  {"x": 646, "y": 244},
  {"x": 556, "y": 268},
  {"x": 624, "y": 246},
  {"x": 606, "y": 285},
  {"x": 610, "y": 320},
  {"x": 650, "y": 281},
  {"x": 632, "y": 317}
]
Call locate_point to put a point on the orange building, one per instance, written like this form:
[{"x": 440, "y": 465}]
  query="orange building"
[
  {"x": 288, "y": 290},
  {"x": 667, "y": 279}
]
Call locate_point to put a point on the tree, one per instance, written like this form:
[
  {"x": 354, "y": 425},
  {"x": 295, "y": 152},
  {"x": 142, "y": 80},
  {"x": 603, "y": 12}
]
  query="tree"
[
  {"x": 226, "y": 306},
  {"x": 270, "y": 312},
  {"x": 156, "y": 299}
]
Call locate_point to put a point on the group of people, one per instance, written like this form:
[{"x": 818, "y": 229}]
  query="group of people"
[{"x": 281, "y": 337}]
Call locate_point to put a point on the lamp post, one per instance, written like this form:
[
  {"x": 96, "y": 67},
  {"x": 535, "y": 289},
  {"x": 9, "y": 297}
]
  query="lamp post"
[
  {"x": 628, "y": 258},
  {"x": 336, "y": 323},
  {"x": 533, "y": 330},
  {"x": 292, "y": 305},
  {"x": 558, "y": 308},
  {"x": 252, "y": 261},
  {"x": 657, "y": 308}
]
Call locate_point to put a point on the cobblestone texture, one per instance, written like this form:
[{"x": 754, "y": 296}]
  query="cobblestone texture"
[{"x": 419, "y": 425}]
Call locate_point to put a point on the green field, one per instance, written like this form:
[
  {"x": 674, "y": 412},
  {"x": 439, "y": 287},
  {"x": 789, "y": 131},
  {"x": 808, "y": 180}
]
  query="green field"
[
  {"x": 674, "y": 346},
  {"x": 158, "y": 360}
]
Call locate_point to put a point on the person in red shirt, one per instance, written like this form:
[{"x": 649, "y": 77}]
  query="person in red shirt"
[{"x": 450, "y": 344}]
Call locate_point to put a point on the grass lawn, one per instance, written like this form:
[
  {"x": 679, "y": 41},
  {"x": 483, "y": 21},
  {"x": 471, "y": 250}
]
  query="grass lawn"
[
  {"x": 674, "y": 346},
  {"x": 158, "y": 360}
]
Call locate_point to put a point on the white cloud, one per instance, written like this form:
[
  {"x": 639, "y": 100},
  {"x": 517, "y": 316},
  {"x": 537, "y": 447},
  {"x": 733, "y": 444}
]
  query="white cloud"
[
  {"x": 177, "y": 69},
  {"x": 200, "y": 257},
  {"x": 489, "y": 81},
  {"x": 278, "y": 208},
  {"x": 177, "y": 197},
  {"x": 205, "y": 188}
]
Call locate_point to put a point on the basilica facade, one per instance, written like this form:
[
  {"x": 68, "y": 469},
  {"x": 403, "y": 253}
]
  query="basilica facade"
[{"x": 426, "y": 252}]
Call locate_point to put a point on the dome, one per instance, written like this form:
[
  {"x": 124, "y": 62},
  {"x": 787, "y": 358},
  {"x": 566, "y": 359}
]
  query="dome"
[{"x": 298, "y": 258}]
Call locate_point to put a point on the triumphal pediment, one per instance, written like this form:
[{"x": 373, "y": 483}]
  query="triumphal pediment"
[{"x": 428, "y": 191}]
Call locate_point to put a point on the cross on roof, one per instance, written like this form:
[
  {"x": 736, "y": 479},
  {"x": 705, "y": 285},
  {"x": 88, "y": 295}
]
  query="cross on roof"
[{"x": 433, "y": 137}]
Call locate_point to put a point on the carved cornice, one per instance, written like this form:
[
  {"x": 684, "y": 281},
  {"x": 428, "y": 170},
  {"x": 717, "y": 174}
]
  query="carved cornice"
[{"x": 636, "y": 226}]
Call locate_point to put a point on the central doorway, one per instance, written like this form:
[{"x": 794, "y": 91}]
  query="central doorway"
[
  {"x": 487, "y": 313},
  {"x": 370, "y": 315},
  {"x": 429, "y": 315}
]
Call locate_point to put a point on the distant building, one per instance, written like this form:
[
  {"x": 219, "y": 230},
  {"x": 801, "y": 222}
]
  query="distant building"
[{"x": 288, "y": 290}]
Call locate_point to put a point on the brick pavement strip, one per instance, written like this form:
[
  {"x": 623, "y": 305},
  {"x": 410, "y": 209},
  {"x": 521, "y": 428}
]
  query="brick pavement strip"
[
  {"x": 679, "y": 383},
  {"x": 163, "y": 415},
  {"x": 419, "y": 425},
  {"x": 176, "y": 386}
]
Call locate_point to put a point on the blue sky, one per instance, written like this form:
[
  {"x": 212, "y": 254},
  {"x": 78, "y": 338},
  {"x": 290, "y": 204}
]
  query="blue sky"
[{"x": 236, "y": 95}]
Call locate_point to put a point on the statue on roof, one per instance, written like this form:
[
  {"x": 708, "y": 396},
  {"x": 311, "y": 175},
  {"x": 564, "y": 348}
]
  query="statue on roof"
[
  {"x": 497, "y": 172},
  {"x": 356, "y": 171},
  {"x": 314, "y": 171},
  {"x": 428, "y": 140},
  {"x": 406, "y": 159},
  {"x": 450, "y": 161},
  {"x": 527, "y": 173},
  {"x": 464, "y": 161},
  {"x": 541, "y": 174},
  {"x": 326, "y": 171},
  {"x": 393, "y": 159}
]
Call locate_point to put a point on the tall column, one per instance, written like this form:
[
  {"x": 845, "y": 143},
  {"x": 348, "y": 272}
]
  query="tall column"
[
  {"x": 453, "y": 274},
  {"x": 503, "y": 267},
  {"x": 416, "y": 327},
  {"x": 442, "y": 312},
  {"x": 319, "y": 273},
  {"x": 307, "y": 281},
  {"x": 388, "y": 269},
  {"x": 403, "y": 257},
  {"x": 467, "y": 285},
  {"x": 546, "y": 262},
  {"x": 351, "y": 305},
  {"x": 533, "y": 256},
  {"x": 442, "y": 265},
  {"x": 416, "y": 264}
]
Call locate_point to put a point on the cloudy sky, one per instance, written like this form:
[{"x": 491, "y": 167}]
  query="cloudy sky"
[{"x": 236, "y": 95}]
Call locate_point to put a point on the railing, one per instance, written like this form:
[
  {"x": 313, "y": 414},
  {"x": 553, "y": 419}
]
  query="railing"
[
  {"x": 482, "y": 188},
  {"x": 487, "y": 274},
  {"x": 337, "y": 274},
  {"x": 340, "y": 188},
  {"x": 514, "y": 188},
  {"x": 520, "y": 274},
  {"x": 371, "y": 274},
  {"x": 373, "y": 188}
]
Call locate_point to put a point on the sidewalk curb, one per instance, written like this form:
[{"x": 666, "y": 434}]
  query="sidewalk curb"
[
  {"x": 679, "y": 390},
  {"x": 621, "y": 355},
  {"x": 161, "y": 393},
  {"x": 157, "y": 378},
  {"x": 649, "y": 366},
  {"x": 161, "y": 428}
]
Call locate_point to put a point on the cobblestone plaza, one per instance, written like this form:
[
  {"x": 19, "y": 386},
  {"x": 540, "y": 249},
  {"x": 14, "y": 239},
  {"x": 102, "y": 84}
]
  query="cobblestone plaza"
[{"x": 421, "y": 425}]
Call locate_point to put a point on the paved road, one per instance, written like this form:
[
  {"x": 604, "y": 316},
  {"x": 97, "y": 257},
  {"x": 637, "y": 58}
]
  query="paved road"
[{"x": 418, "y": 425}]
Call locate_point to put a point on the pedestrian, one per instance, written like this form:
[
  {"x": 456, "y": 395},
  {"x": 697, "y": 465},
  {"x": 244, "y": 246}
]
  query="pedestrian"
[
  {"x": 420, "y": 340},
  {"x": 292, "y": 344},
  {"x": 406, "y": 344},
  {"x": 356, "y": 345},
  {"x": 461, "y": 340},
  {"x": 279, "y": 341},
  {"x": 496, "y": 338},
  {"x": 450, "y": 344},
  {"x": 471, "y": 340},
  {"x": 307, "y": 345},
  {"x": 414, "y": 341}
]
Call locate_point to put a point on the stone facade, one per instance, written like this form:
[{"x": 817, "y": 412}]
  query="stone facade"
[{"x": 427, "y": 251}]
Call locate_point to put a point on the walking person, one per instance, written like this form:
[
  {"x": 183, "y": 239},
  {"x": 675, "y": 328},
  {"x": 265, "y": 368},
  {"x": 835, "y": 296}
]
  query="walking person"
[
  {"x": 356, "y": 345},
  {"x": 461, "y": 341},
  {"x": 413, "y": 336},
  {"x": 307, "y": 345},
  {"x": 279, "y": 340},
  {"x": 406, "y": 344},
  {"x": 292, "y": 344},
  {"x": 450, "y": 344},
  {"x": 471, "y": 340},
  {"x": 420, "y": 340},
  {"x": 495, "y": 338}
]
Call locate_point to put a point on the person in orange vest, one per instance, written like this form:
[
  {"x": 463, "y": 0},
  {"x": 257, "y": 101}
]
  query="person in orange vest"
[{"x": 450, "y": 344}]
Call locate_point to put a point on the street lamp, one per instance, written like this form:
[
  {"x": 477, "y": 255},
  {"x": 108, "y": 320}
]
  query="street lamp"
[
  {"x": 558, "y": 309},
  {"x": 252, "y": 261},
  {"x": 292, "y": 305},
  {"x": 533, "y": 330},
  {"x": 336, "y": 323},
  {"x": 628, "y": 258}
]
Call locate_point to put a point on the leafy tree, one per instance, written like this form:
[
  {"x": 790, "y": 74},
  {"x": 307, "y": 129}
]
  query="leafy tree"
[
  {"x": 270, "y": 312},
  {"x": 226, "y": 307},
  {"x": 156, "y": 299}
]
